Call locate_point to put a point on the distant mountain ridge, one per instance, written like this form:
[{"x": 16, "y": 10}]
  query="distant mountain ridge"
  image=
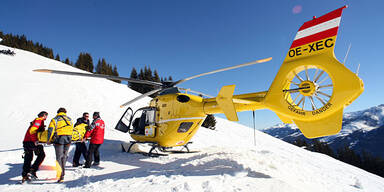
[{"x": 362, "y": 130}]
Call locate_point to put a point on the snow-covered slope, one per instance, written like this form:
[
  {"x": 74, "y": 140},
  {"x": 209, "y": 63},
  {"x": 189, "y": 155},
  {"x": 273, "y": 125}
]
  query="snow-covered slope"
[
  {"x": 362, "y": 130},
  {"x": 25, "y": 93},
  {"x": 227, "y": 159}
]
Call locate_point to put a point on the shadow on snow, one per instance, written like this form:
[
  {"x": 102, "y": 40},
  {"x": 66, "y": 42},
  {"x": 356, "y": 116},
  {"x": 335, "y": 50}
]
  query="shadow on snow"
[
  {"x": 111, "y": 151},
  {"x": 144, "y": 168}
]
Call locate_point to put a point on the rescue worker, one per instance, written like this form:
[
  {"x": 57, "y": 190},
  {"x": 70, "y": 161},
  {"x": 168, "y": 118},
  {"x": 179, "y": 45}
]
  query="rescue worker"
[
  {"x": 31, "y": 145},
  {"x": 60, "y": 134},
  {"x": 96, "y": 132},
  {"x": 81, "y": 148}
]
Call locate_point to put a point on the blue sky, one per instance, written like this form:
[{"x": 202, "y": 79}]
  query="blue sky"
[{"x": 183, "y": 38}]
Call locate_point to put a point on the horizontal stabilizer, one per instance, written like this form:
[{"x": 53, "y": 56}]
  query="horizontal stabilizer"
[{"x": 224, "y": 99}]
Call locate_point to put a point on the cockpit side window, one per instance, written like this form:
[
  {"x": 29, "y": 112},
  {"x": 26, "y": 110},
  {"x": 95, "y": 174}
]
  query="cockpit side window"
[
  {"x": 150, "y": 118},
  {"x": 184, "y": 127}
]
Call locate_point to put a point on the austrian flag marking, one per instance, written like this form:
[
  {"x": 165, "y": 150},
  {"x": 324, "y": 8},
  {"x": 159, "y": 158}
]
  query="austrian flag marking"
[{"x": 319, "y": 28}]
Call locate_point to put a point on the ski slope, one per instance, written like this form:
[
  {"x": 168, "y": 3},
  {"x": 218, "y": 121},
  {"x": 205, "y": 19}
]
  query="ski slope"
[{"x": 227, "y": 158}]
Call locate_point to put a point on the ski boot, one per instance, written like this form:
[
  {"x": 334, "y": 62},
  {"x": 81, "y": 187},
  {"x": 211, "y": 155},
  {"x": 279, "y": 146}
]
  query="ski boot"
[
  {"x": 25, "y": 179},
  {"x": 32, "y": 174},
  {"x": 61, "y": 180}
]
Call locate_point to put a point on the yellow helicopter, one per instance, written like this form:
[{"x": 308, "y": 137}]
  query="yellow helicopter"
[{"x": 310, "y": 89}]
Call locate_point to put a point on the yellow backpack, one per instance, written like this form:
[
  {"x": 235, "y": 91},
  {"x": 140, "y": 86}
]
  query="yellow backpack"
[
  {"x": 77, "y": 134},
  {"x": 42, "y": 136}
]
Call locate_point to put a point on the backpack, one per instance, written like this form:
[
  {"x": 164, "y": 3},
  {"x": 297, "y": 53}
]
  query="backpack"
[{"x": 79, "y": 132}]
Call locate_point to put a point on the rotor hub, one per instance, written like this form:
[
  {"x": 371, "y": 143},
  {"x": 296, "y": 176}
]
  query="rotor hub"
[{"x": 308, "y": 88}]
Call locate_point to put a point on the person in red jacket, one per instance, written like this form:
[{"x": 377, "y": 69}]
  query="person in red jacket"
[
  {"x": 31, "y": 145},
  {"x": 96, "y": 132}
]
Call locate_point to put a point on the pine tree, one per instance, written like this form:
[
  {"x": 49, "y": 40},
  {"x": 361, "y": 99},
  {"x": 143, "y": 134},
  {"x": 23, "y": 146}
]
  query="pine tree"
[
  {"x": 146, "y": 74},
  {"x": 103, "y": 68},
  {"x": 67, "y": 61},
  {"x": 50, "y": 53},
  {"x": 99, "y": 66},
  {"x": 80, "y": 63},
  {"x": 84, "y": 62},
  {"x": 133, "y": 86},
  {"x": 89, "y": 62},
  {"x": 372, "y": 164},
  {"x": 321, "y": 147},
  {"x": 156, "y": 77},
  {"x": 347, "y": 155},
  {"x": 301, "y": 143},
  {"x": 115, "y": 73},
  {"x": 57, "y": 58}
]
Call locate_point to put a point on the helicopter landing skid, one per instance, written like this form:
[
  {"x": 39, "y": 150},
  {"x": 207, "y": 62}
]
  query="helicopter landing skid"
[
  {"x": 129, "y": 148},
  {"x": 166, "y": 149},
  {"x": 153, "y": 152}
]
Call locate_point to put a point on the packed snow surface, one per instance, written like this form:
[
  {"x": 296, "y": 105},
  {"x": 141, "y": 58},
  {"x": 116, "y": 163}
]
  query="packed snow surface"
[{"x": 225, "y": 159}]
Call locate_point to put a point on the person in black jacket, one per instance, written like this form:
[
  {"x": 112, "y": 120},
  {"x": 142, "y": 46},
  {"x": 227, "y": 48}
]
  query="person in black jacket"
[{"x": 81, "y": 148}]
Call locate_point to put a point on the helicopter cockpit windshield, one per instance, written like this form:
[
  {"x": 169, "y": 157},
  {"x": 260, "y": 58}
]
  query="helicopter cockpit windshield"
[{"x": 136, "y": 122}]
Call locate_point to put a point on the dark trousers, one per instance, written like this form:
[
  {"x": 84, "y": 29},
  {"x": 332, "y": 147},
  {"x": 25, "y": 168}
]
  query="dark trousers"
[
  {"x": 29, "y": 149},
  {"x": 93, "y": 151},
  {"x": 61, "y": 156},
  {"x": 81, "y": 148}
]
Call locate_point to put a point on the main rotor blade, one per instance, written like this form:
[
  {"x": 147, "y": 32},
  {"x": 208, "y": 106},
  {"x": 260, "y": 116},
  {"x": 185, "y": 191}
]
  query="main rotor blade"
[
  {"x": 196, "y": 92},
  {"x": 140, "y": 97},
  {"x": 224, "y": 69},
  {"x": 98, "y": 76}
]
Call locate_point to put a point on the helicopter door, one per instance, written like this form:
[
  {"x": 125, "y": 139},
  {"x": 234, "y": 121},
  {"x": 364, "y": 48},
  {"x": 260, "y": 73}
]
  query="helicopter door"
[
  {"x": 125, "y": 121},
  {"x": 144, "y": 122}
]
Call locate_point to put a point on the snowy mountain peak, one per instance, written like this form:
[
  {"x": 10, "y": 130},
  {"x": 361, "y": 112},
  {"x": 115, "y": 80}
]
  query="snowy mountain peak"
[
  {"x": 363, "y": 120},
  {"x": 362, "y": 130}
]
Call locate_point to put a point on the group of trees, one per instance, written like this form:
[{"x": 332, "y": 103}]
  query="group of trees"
[
  {"x": 84, "y": 60},
  {"x": 21, "y": 42},
  {"x": 146, "y": 74},
  {"x": 364, "y": 161}
]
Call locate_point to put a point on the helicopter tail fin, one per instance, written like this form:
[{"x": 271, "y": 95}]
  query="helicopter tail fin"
[
  {"x": 316, "y": 36},
  {"x": 312, "y": 87}
]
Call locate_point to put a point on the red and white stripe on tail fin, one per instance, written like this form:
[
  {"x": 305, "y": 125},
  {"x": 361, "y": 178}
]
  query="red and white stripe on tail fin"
[{"x": 316, "y": 36}]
